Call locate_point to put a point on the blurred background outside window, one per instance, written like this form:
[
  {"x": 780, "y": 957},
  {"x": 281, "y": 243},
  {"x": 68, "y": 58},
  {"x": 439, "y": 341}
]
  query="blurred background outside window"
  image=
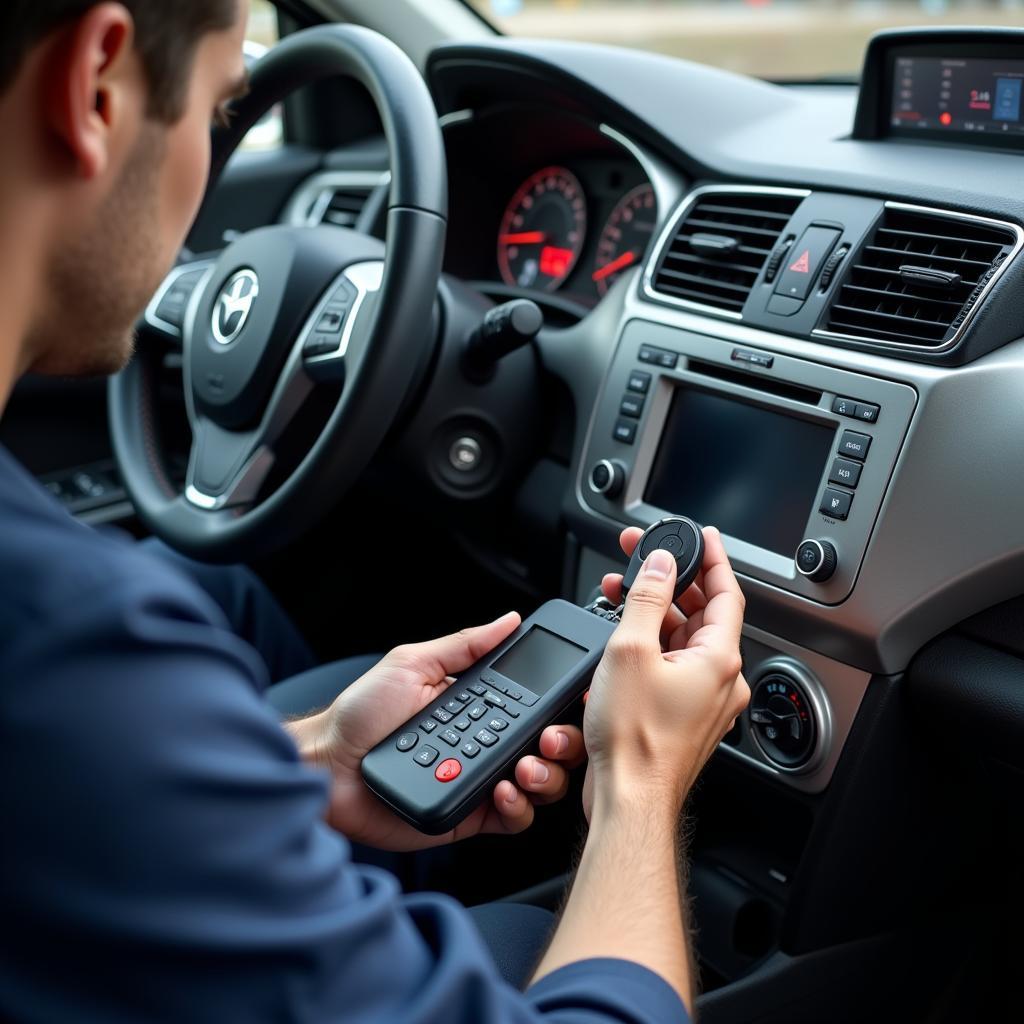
[
  {"x": 261, "y": 34},
  {"x": 782, "y": 40}
]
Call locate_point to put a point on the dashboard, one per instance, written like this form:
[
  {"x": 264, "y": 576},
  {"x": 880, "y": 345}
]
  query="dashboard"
[{"x": 819, "y": 335}]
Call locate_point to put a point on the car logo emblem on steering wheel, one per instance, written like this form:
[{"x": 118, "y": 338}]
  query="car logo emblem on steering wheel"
[{"x": 233, "y": 306}]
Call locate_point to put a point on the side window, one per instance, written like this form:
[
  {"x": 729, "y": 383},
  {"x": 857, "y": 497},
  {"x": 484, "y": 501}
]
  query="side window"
[{"x": 262, "y": 34}]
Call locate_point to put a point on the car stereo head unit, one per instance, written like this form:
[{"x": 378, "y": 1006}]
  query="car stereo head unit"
[{"x": 789, "y": 459}]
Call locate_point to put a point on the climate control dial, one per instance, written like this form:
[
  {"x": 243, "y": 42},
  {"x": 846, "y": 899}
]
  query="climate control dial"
[{"x": 817, "y": 560}]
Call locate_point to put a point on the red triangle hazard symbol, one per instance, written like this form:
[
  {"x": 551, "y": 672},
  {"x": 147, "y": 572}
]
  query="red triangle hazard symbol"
[{"x": 803, "y": 264}]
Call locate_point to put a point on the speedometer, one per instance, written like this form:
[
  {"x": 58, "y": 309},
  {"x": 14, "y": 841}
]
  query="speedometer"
[
  {"x": 625, "y": 236},
  {"x": 542, "y": 231}
]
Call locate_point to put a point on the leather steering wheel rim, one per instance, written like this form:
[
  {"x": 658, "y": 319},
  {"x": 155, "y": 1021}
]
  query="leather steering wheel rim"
[{"x": 397, "y": 328}]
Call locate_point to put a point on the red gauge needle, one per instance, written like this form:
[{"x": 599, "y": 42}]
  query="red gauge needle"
[
  {"x": 524, "y": 238},
  {"x": 616, "y": 264}
]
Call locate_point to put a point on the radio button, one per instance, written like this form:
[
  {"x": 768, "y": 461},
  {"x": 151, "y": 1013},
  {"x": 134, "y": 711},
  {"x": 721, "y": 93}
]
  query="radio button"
[
  {"x": 631, "y": 406},
  {"x": 845, "y": 407},
  {"x": 854, "y": 445},
  {"x": 844, "y": 472},
  {"x": 639, "y": 381},
  {"x": 835, "y": 503},
  {"x": 625, "y": 431},
  {"x": 817, "y": 560},
  {"x": 867, "y": 413}
]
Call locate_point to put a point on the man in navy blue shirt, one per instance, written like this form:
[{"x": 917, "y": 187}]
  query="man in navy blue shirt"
[{"x": 170, "y": 851}]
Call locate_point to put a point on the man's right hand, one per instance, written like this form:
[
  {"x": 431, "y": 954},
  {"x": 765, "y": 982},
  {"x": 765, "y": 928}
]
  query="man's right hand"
[{"x": 670, "y": 684}]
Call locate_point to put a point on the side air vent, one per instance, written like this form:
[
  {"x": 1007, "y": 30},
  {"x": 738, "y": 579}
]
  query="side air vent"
[
  {"x": 920, "y": 277},
  {"x": 715, "y": 252},
  {"x": 334, "y": 197}
]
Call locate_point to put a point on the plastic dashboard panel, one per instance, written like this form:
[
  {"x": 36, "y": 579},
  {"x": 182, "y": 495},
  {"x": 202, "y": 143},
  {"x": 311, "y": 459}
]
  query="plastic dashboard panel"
[{"x": 716, "y": 125}]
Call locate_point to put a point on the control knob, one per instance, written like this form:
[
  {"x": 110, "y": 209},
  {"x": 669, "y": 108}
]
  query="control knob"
[
  {"x": 817, "y": 560},
  {"x": 607, "y": 477}
]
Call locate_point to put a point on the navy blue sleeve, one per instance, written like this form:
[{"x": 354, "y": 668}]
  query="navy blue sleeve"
[{"x": 164, "y": 855}]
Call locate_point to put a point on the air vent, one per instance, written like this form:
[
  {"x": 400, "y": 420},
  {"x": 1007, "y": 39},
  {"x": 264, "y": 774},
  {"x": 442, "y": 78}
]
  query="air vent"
[
  {"x": 335, "y": 197},
  {"x": 920, "y": 277},
  {"x": 718, "y": 249}
]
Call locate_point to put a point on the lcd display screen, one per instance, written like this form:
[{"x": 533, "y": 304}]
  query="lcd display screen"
[
  {"x": 538, "y": 660},
  {"x": 970, "y": 98},
  {"x": 752, "y": 472}
]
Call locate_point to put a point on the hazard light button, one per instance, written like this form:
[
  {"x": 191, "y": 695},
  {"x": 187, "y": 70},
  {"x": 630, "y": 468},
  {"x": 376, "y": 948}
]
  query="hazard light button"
[{"x": 804, "y": 260}]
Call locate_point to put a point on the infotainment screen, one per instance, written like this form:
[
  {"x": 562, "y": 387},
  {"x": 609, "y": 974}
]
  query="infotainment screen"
[
  {"x": 962, "y": 98},
  {"x": 752, "y": 472}
]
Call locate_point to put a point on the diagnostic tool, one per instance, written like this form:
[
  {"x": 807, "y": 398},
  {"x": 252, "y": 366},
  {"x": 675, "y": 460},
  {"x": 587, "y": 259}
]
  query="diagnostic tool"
[{"x": 434, "y": 770}]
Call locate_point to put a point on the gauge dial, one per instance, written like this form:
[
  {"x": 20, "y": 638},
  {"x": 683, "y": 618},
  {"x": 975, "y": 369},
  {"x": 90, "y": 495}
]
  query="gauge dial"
[
  {"x": 625, "y": 236},
  {"x": 542, "y": 231}
]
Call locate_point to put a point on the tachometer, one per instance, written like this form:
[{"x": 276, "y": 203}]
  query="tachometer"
[
  {"x": 542, "y": 231},
  {"x": 625, "y": 236}
]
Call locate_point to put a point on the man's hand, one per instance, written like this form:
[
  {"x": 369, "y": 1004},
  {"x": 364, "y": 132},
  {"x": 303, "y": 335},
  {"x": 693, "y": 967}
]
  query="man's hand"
[
  {"x": 394, "y": 690},
  {"x": 669, "y": 686}
]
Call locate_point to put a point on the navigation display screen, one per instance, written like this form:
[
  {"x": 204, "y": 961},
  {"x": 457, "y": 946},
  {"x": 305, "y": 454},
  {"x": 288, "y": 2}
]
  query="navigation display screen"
[
  {"x": 970, "y": 98},
  {"x": 752, "y": 472}
]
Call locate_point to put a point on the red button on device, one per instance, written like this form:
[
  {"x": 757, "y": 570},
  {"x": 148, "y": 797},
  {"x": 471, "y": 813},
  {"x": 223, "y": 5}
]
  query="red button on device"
[{"x": 447, "y": 770}]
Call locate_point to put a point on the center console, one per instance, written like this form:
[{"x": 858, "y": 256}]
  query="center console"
[{"x": 790, "y": 459}]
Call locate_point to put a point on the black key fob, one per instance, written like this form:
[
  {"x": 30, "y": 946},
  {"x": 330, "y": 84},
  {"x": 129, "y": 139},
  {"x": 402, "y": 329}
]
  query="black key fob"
[{"x": 679, "y": 536}]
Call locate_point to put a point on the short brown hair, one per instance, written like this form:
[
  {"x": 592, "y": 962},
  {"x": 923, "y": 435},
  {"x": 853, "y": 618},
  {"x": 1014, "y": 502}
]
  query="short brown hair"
[{"x": 167, "y": 33}]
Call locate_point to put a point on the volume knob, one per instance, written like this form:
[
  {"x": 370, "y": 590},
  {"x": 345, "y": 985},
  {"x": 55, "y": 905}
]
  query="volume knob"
[
  {"x": 817, "y": 560},
  {"x": 607, "y": 478}
]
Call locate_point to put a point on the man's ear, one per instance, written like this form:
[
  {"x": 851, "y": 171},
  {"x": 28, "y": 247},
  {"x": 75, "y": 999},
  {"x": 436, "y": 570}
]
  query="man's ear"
[{"x": 94, "y": 85}]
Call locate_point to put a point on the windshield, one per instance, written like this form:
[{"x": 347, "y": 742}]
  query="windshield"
[{"x": 776, "y": 39}]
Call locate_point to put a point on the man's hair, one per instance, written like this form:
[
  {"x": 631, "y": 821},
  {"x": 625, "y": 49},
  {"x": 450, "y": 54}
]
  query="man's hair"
[{"x": 167, "y": 33}]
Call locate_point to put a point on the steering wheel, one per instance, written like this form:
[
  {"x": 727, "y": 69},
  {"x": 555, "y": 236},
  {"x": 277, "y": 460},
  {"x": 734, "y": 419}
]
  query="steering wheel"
[{"x": 283, "y": 311}]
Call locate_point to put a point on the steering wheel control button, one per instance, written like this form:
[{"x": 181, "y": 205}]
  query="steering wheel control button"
[
  {"x": 486, "y": 738},
  {"x": 866, "y": 412},
  {"x": 407, "y": 741},
  {"x": 470, "y": 749},
  {"x": 817, "y": 560},
  {"x": 782, "y": 720},
  {"x": 835, "y": 504},
  {"x": 447, "y": 770},
  {"x": 844, "y": 472},
  {"x": 631, "y": 406},
  {"x": 804, "y": 261},
  {"x": 607, "y": 478},
  {"x": 426, "y": 756},
  {"x": 625, "y": 431},
  {"x": 639, "y": 381},
  {"x": 854, "y": 445}
]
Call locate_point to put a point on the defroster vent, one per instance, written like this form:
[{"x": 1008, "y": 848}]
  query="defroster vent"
[
  {"x": 716, "y": 251},
  {"x": 920, "y": 276}
]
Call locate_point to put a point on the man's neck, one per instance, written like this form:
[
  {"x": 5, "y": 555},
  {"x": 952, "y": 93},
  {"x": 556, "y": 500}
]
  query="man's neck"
[{"x": 19, "y": 291}]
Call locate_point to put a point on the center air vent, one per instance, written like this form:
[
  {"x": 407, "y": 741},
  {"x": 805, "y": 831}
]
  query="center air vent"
[
  {"x": 920, "y": 277},
  {"x": 333, "y": 197},
  {"x": 717, "y": 250}
]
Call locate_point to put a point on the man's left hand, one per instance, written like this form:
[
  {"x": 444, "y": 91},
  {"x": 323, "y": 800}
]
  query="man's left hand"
[{"x": 404, "y": 682}]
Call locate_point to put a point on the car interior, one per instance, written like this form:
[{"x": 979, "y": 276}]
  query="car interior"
[{"x": 790, "y": 309}]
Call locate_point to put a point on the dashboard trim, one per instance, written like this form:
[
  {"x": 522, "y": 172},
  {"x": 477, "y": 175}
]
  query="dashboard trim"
[
  {"x": 899, "y": 346},
  {"x": 676, "y": 218}
]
